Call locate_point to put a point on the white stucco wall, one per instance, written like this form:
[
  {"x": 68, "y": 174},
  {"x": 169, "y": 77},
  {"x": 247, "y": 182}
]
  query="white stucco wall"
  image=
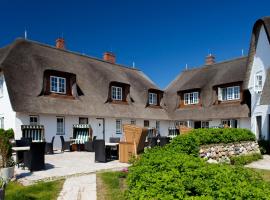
[
  {"x": 260, "y": 64},
  {"x": 6, "y": 110},
  {"x": 49, "y": 122}
]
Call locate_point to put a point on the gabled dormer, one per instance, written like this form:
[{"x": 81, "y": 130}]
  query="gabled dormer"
[
  {"x": 228, "y": 93},
  {"x": 189, "y": 98},
  {"x": 118, "y": 92},
  {"x": 154, "y": 98},
  {"x": 60, "y": 84}
]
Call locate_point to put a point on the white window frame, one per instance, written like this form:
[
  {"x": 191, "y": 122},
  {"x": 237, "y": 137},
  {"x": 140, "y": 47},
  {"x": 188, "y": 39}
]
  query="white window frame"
[
  {"x": 1, "y": 86},
  {"x": 181, "y": 123},
  {"x": 118, "y": 126},
  {"x": 229, "y": 93},
  {"x": 230, "y": 122},
  {"x": 2, "y": 122},
  {"x": 60, "y": 130},
  {"x": 58, "y": 84},
  {"x": 258, "y": 79},
  {"x": 37, "y": 120},
  {"x": 133, "y": 121},
  {"x": 152, "y": 98},
  {"x": 191, "y": 98},
  {"x": 117, "y": 93}
]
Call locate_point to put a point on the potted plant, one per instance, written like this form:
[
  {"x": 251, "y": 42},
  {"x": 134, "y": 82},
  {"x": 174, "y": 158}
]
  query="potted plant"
[
  {"x": 2, "y": 189},
  {"x": 6, "y": 163}
]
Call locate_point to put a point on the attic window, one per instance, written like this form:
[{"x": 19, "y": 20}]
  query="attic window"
[
  {"x": 229, "y": 93},
  {"x": 152, "y": 98},
  {"x": 258, "y": 82},
  {"x": 191, "y": 98},
  {"x": 58, "y": 84},
  {"x": 117, "y": 93}
]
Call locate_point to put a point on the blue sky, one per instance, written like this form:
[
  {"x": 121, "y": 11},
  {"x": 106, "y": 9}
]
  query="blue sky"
[{"x": 161, "y": 37}]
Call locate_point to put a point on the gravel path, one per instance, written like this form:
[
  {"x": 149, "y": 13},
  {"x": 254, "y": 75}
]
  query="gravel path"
[{"x": 261, "y": 164}]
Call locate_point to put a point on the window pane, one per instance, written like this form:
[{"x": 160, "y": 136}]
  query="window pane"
[
  {"x": 236, "y": 92},
  {"x": 116, "y": 93},
  {"x": 118, "y": 126},
  {"x": 229, "y": 93},
  {"x": 33, "y": 120},
  {"x": 60, "y": 125},
  {"x": 146, "y": 123},
  {"x": 186, "y": 97}
]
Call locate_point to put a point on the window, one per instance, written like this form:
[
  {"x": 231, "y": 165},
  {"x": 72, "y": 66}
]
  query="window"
[
  {"x": 60, "y": 127},
  {"x": 152, "y": 98},
  {"x": 229, "y": 93},
  {"x": 1, "y": 85},
  {"x": 83, "y": 120},
  {"x": 146, "y": 123},
  {"x": 232, "y": 123},
  {"x": 2, "y": 122},
  {"x": 118, "y": 126},
  {"x": 205, "y": 124},
  {"x": 158, "y": 127},
  {"x": 34, "y": 120},
  {"x": 117, "y": 93},
  {"x": 58, "y": 84},
  {"x": 258, "y": 83},
  {"x": 191, "y": 98},
  {"x": 181, "y": 123},
  {"x": 133, "y": 121}
]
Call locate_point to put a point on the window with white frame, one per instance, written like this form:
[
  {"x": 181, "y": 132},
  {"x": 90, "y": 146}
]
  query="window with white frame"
[
  {"x": 2, "y": 122},
  {"x": 191, "y": 98},
  {"x": 180, "y": 123},
  {"x": 60, "y": 125},
  {"x": 118, "y": 124},
  {"x": 232, "y": 123},
  {"x": 152, "y": 98},
  {"x": 229, "y": 93},
  {"x": 258, "y": 82},
  {"x": 1, "y": 85},
  {"x": 205, "y": 124},
  {"x": 117, "y": 93},
  {"x": 133, "y": 122},
  {"x": 33, "y": 120},
  {"x": 58, "y": 84}
]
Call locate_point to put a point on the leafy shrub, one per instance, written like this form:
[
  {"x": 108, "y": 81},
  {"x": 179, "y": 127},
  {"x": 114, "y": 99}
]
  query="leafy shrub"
[
  {"x": 7, "y": 133},
  {"x": 245, "y": 159},
  {"x": 264, "y": 146},
  {"x": 163, "y": 173}
]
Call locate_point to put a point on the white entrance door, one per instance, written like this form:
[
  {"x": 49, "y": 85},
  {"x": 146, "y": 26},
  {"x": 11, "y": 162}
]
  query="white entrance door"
[{"x": 100, "y": 133}]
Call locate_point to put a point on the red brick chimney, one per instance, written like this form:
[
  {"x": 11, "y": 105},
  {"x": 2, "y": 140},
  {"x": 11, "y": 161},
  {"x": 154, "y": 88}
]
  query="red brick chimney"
[
  {"x": 60, "y": 43},
  {"x": 210, "y": 59},
  {"x": 109, "y": 57}
]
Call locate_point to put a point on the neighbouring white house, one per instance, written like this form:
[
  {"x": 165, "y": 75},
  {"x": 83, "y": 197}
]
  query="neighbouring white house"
[
  {"x": 258, "y": 78},
  {"x": 50, "y": 88}
]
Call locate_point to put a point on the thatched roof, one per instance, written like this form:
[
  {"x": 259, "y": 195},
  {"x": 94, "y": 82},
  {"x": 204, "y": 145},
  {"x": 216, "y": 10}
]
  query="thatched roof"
[
  {"x": 205, "y": 78},
  {"x": 263, "y": 22},
  {"x": 24, "y": 63}
]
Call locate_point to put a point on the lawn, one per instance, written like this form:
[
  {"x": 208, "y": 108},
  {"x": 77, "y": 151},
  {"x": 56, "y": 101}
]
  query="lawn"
[
  {"x": 41, "y": 191},
  {"x": 264, "y": 173},
  {"x": 111, "y": 185}
]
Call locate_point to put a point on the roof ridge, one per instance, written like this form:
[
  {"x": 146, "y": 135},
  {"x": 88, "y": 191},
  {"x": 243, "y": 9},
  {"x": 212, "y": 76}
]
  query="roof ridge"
[
  {"x": 215, "y": 64},
  {"x": 75, "y": 53}
]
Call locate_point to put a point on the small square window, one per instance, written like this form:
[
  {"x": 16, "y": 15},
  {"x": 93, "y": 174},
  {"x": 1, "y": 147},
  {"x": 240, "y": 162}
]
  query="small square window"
[
  {"x": 133, "y": 122},
  {"x": 117, "y": 93},
  {"x": 58, "y": 85},
  {"x": 146, "y": 123},
  {"x": 34, "y": 120}
]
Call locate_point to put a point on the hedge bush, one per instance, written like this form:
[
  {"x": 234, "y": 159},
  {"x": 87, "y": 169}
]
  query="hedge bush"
[
  {"x": 245, "y": 159},
  {"x": 190, "y": 143},
  {"x": 162, "y": 173}
]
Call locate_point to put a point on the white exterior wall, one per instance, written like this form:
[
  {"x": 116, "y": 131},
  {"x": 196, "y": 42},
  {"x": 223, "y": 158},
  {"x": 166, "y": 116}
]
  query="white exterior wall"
[
  {"x": 6, "y": 110},
  {"x": 260, "y": 64},
  {"x": 49, "y": 122}
]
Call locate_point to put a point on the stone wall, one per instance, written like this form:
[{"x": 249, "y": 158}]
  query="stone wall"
[{"x": 223, "y": 152}]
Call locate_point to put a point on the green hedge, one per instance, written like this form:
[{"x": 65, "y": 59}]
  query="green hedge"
[
  {"x": 161, "y": 173},
  {"x": 190, "y": 143},
  {"x": 245, "y": 159}
]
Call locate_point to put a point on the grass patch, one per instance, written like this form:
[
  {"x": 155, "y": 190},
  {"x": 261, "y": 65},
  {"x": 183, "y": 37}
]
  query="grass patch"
[
  {"x": 111, "y": 185},
  {"x": 264, "y": 173},
  {"x": 245, "y": 159},
  {"x": 41, "y": 191}
]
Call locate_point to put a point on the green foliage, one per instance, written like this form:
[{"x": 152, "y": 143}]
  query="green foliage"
[
  {"x": 7, "y": 133},
  {"x": 163, "y": 173},
  {"x": 264, "y": 146},
  {"x": 245, "y": 159},
  {"x": 5, "y": 147},
  {"x": 42, "y": 190}
]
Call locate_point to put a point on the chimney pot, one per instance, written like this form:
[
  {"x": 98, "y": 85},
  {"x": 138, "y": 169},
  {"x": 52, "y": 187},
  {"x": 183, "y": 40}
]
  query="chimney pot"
[
  {"x": 60, "y": 43},
  {"x": 109, "y": 57},
  {"x": 210, "y": 60}
]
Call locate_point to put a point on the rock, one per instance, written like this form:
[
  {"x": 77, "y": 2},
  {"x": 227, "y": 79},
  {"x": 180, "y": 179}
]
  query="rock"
[{"x": 212, "y": 161}]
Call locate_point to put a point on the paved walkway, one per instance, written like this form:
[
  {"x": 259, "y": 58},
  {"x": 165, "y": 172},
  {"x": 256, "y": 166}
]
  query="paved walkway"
[
  {"x": 261, "y": 164},
  {"x": 65, "y": 165},
  {"x": 79, "y": 188}
]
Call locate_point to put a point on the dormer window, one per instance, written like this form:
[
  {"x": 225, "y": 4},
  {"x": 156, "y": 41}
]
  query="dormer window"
[
  {"x": 258, "y": 82},
  {"x": 58, "y": 84},
  {"x": 152, "y": 98},
  {"x": 117, "y": 93},
  {"x": 229, "y": 93},
  {"x": 191, "y": 98}
]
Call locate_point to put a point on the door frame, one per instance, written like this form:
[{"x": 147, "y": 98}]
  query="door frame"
[{"x": 103, "y": 131}]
